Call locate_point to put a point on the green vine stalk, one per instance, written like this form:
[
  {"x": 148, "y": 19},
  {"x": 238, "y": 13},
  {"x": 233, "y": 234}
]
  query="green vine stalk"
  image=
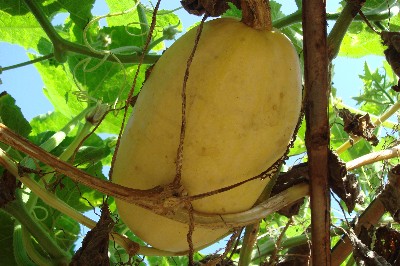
[
  {"x": 17, "y": 209},
  {"x": 21, "y": 253},
  {"x": 53, "y": 142},
  {"x": 36, "y": 60},
  {"x": 31, "y": 251},
  {"x": 269, "y": 246}
]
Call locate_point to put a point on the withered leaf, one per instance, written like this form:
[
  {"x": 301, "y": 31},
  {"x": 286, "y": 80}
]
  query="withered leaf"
[
  {"x": 358, "y": 125},
  {"x": 392, "y": 53},
  {"x": 363, "y": 255},
  {"x": 344, "y": 185},
  {"x": 209, "y": 258},
  {"x": 297, "y": 256},
  {"x": 390, "y": 196},
  {"x": 296, "y": 175},
  {"x": 8, "y": 185},
  {"x": 94, "y": 250},
  {"x": 383, "y": 240}
]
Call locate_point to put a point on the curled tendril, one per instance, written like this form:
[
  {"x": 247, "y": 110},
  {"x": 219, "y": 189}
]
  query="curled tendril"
[
  {"x": 134, "y": 34},
  {"x": 46, "y": 213},
  {"x": 83, "y": 95},
  {"x": 96, "y": 19}
]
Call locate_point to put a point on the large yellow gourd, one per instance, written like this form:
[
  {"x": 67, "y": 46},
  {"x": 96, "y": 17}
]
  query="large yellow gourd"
[{"x": 243, "y": 102}]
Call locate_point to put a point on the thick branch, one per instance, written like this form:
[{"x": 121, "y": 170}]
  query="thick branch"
[
  {"x": 374, "y": 157},
  {"x": 317, "y": 126}
]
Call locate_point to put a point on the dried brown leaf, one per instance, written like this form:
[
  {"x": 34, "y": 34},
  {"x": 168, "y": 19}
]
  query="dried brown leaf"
[
  {"x": 392, "y": 53},
  {"x": 358, "y": 125},
  {"x": 211, "y": 258},
  {"x": 94, "y": 250},
  {"x": 363, "y": 255},
  {"x": 383, "y": 240},
  {"x": 297, "y": 256},
  {"x": 8, "y": 185},
  {"x": 344, "y": 185},
  {"x": 296, "y": 175},
  {"x": 390, "y": 196}
]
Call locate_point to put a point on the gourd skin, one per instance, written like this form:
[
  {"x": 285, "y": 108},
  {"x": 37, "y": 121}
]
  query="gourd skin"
[{"x": 243, "y": 103}]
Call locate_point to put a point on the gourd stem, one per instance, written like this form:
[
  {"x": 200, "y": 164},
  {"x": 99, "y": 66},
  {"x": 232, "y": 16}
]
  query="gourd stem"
[{"x": 257, "y": 14}]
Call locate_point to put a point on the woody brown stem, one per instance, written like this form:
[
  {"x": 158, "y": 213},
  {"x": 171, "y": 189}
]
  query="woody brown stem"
[
  {"x": 257, "y": 14},
  {"x": 317, "y": 126}
]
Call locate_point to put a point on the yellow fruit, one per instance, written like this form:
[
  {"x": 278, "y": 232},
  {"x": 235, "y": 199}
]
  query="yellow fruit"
[{"x": 243, "y": 102}]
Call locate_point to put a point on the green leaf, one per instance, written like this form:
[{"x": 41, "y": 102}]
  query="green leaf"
[
  {"x": 376, "y": 6},
  {"x": 232, "y": 12},
  {"x": 91, "y": 154},
  {"x": 166, "y": 261},
  {"x": 63, "y": 228},
  {"x": 276, "y": 12},
  {"x": 53, "y": 121},
  {"x": 81, "y": 197},
  {"x": 294, "y": 33},
  {"x": 164, "y": 19},
  {"x": 299, "y": 4},
  {"x": 299, "y": 145},
  {"x": 377, "y": 94},
  {"x": 12, "y": 117},
  {"x": 80, "y": 13},
  {"x": 360, "y": 41},
  {"x": 98, "y": 81},
  {"x": 16, "y": 24},
  {"x": 6, "y": 239},
  {"x": 94, "y": 150},
  {"x": 66, "y": 231}
]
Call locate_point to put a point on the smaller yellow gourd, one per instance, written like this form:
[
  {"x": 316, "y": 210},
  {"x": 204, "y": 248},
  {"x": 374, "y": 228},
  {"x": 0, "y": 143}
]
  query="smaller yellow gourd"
[{"x": 243, "y": 103}]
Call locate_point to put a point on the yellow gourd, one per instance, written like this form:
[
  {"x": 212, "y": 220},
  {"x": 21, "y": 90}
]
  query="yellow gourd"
[{"x": 243, "y": 103}]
